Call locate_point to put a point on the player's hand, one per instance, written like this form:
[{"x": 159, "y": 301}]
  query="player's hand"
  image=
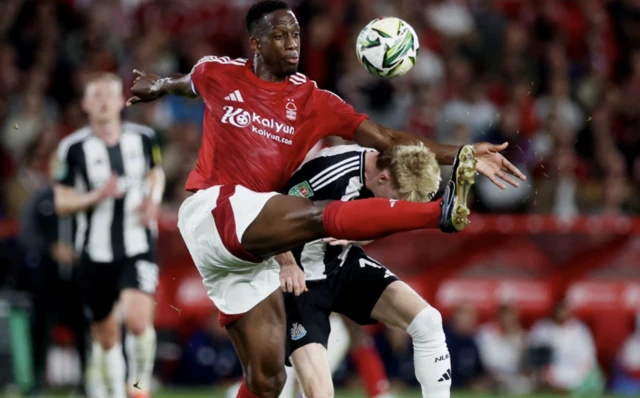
[
  {"x": 292, "y": 279},
  {"x": 146, "y": 88},
  {"x": 149, "y": 211},
  {"x": 111, "y": 189},
  {"x": 493, "y": 165}
]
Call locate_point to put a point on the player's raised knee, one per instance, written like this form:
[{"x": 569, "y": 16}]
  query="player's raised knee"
[{"x": 427, "y": 323}]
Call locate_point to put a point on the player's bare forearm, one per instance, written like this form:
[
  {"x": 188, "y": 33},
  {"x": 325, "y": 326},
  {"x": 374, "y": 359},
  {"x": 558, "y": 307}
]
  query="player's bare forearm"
[
  {"x": 178, "y": 84},
  {"x": 68, "y": 201},
  {"x": 156, "y": 182},
  {"x": 148, "y": 87},
  {"x": 381, "y": 138}
]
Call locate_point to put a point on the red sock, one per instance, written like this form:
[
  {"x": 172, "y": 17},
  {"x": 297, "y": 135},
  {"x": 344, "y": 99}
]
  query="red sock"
[
  {"x": 375, "y": 218},
  {"x": 371, "y": 370},
  {"x": 244, "y": 392}
]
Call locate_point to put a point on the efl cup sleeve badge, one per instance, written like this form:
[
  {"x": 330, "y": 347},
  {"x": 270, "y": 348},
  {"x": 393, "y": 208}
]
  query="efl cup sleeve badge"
[
  {"x": 291, "y": 109},
  {"x": 303, "y": 190}
]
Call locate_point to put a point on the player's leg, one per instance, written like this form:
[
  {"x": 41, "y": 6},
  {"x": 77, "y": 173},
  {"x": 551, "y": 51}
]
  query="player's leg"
[
  {"x": 402, "y": 307},
  {"x": 259, "y": 337},
  {"x": 98, "y": 287},
  {"x": 138, "y": 282},
  {"x": 308, "y": 329},
  {"x": 109, "y": 358},
  {"x": 286, "y": 222},
  {"x": 313, "y": 371}
]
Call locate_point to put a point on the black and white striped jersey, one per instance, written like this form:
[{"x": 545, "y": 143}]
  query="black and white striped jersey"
[
  {"x": 111, "y": 230},
  {"x": 335, "y": 173}
]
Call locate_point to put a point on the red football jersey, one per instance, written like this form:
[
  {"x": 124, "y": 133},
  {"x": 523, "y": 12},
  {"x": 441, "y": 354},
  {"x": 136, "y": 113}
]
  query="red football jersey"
[{"x": 256, "y": 133}]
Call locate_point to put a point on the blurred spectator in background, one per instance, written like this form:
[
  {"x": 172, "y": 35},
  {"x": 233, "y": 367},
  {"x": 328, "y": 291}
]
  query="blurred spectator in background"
[
  {"x": 502, "y": 345},
  {"x": 467, "y": 370},
  {"x": 32, "y": 174},
  {"x": 49, "y": 272},
  {"x": 573, "y": 364},
  {"x": 626, "y": 374}
]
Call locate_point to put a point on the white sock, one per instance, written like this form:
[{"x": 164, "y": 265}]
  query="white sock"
[
  {"x": 141, "y": 352},
  {"x": 289, "y": 389},
  {"x": 114, "y": 371},
  {"x": 339, "y": 342},
  {"x": 94, "y": 377},
  {"x": 430, "y": 354}
]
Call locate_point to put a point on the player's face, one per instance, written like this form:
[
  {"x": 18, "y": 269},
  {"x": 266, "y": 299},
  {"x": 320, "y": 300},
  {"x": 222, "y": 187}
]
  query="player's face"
[
  {"x": 279, "y": 46},
  {"x": 103, "y": 101}
]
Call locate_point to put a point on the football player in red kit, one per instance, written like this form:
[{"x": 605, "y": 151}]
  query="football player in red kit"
[{"x": 261, "y": 119}]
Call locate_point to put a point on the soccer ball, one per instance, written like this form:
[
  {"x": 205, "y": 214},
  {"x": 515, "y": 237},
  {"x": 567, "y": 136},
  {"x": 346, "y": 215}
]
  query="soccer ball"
[{"x": 387, "y": 47}]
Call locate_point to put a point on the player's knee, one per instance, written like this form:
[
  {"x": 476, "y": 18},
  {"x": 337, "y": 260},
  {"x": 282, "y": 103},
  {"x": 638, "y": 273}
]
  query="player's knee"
[
  {"x": 427, "y": 326},
  {"x": 264, "y": 383},
  {"x": 136, "y": 325},
  {"x": 106, "y": 340}
]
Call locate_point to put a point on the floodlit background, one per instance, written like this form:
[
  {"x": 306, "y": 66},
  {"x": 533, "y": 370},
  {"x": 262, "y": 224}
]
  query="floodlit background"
[{"x": 540, "y": 295}]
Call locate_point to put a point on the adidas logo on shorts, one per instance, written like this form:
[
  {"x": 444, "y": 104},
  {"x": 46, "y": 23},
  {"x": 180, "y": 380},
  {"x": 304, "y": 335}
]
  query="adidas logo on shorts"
[{"x": 297, "y": 331}]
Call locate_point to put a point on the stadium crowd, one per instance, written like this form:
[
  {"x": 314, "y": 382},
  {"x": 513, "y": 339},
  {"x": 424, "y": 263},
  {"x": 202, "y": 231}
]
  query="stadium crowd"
[{"x": 558, "y": 79}]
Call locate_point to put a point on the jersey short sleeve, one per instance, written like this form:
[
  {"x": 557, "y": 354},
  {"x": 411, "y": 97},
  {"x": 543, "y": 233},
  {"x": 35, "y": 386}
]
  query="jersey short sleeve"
[
  {"x": 338, "y": 117},
  {"x": 202, "y": 74},
  {"x": 66, "y": 165},
  {"x": 152, "y": 148}
]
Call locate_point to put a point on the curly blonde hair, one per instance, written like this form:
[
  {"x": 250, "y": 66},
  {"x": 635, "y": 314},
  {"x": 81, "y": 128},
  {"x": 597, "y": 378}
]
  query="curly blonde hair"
[{"x": 414, "y": 171}]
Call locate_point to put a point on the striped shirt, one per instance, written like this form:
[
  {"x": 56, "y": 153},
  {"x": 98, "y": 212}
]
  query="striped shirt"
[
  {"x": 111, "y": 230},
  {"x": 335, "y": 173}
]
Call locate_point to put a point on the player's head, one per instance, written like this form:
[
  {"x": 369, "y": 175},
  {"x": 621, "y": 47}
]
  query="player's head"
[
  {"x": 103, "y": 100},
  {"x": 408, "y": 172},
  {"x": 275, "y": 36}
]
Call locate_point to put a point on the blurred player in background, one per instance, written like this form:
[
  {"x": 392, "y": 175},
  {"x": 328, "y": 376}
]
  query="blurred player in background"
[
  {"x": 261, "y": 119},
  {"x": 109, "y": 176}
]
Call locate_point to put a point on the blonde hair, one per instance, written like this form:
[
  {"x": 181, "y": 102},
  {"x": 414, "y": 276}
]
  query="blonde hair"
[
  {"x": 414, "y": 171},
  {"x": 102, "y": 76}
]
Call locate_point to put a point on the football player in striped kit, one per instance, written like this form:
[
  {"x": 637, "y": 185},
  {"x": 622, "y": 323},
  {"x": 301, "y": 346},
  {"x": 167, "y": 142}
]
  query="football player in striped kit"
[
  {"x": 109, "y": 176},
  {"x": 341, "y": 278}
]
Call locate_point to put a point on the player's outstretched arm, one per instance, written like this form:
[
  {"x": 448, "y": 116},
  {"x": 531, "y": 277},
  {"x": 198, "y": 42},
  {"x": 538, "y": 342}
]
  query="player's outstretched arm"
[
  {"x": 490, "y": 162},
  {"x": 148, "y": 87},
  {"x": 69, "y": 201}
]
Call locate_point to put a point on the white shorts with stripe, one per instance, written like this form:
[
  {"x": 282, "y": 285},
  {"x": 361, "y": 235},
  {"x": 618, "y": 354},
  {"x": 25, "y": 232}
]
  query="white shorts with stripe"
[{"x": 212, "y": 222}]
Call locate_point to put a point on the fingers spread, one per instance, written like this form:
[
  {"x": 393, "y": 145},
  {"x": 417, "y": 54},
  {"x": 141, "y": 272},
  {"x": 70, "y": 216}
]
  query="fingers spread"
[
  {"x": 509, "y": 167},
  {"x": 507, "y": 179},
  {"x": 494, "y": 180}
]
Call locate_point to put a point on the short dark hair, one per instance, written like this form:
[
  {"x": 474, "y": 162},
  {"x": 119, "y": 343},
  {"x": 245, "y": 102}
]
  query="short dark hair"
[{"x": 259, "y": 10}]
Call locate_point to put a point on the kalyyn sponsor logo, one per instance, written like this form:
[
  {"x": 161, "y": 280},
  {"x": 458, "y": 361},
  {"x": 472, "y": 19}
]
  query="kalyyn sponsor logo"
[{"x": 240, "y": 118}]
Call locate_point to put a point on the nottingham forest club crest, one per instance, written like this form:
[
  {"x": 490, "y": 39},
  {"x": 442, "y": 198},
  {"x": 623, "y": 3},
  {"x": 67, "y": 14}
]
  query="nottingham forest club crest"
[
  {"x": 291, "y": 109},
  {"x": 303, "y": 190}
]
